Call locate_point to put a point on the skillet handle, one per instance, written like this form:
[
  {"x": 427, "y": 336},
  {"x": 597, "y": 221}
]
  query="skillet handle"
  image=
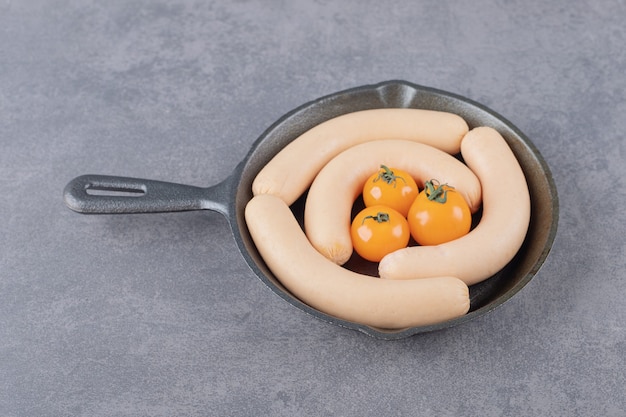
[{"x": 103, "y": 194}]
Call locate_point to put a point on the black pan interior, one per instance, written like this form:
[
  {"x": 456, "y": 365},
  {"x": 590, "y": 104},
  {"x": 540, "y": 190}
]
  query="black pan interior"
[{"x": 400, "y": 94}]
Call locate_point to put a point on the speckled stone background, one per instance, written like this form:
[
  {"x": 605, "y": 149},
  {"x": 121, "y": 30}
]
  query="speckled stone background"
[{"x": 158, "y": 315}]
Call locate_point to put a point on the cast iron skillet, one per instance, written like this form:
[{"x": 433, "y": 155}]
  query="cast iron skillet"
[{"x": 97, "y": 194}]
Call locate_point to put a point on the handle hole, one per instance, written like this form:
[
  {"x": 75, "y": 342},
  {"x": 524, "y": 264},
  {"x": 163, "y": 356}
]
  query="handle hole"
[{"x": 114, "y": 192}]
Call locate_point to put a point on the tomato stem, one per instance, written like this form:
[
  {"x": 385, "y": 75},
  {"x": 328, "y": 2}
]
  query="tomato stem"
[
  {"x": 380, "y": 217},
  {"x": 388, "y": 176},
  {"x": 436, "y": 191}
]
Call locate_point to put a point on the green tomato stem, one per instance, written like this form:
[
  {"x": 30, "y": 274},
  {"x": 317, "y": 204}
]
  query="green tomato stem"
[
  {"x": 388, "y": 176},
  {"x": 436, "y": 191},
  {"x": 380, "y": 217}
]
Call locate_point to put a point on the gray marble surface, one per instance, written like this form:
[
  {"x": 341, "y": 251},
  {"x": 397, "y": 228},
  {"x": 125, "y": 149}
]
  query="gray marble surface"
[{"x": 159, "y": 315}]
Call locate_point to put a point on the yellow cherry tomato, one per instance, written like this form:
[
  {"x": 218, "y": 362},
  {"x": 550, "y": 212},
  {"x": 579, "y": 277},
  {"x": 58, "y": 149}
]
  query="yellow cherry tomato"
[
  {"x": 390, "y": 187},
  {"x": 377, "y": 231},
  {"x": 439, "y": 214}
]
